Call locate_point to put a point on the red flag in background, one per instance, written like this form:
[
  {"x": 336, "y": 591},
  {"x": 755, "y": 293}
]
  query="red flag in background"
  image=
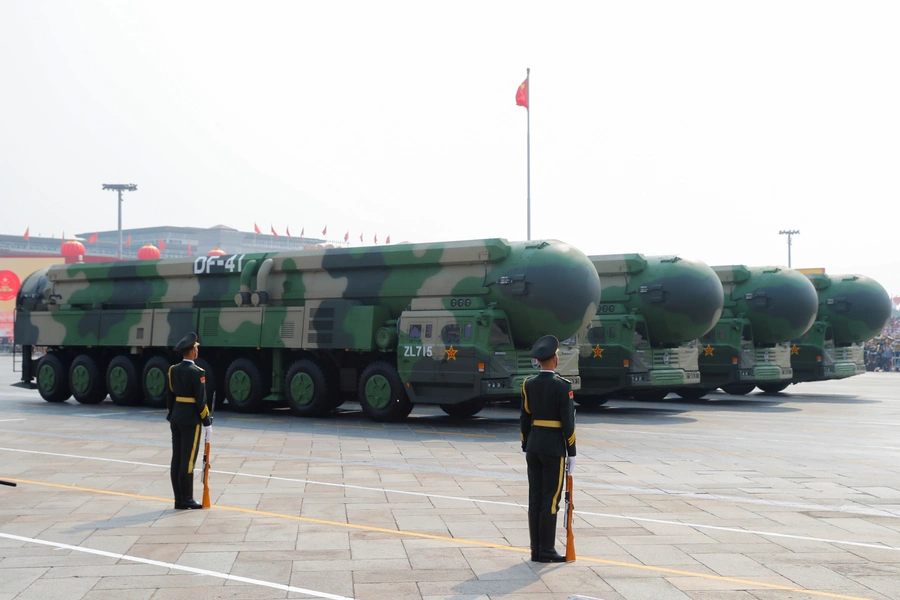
[
  {"x": 302, "y": 231},
  {"x": 189, "y": 249},
  {"x": 92, "y": 239},
  {"x": 522, "y": 94},
  {"x": 272, "y": 227},
  {"x": 289, "y": 231},
  {"x": 388, "y": 240},
  {"x": 360, "y": 236},
  {"x": 128, "y": 241},
  {"x": 325, "y": 231},
  {"x": 256, "y": 228},
  {"x": 27, "y": 229},
  {"x": 162, "y": 244},
  {"x": 376, "y": 238},
  {"x": 347, "y": 235}
]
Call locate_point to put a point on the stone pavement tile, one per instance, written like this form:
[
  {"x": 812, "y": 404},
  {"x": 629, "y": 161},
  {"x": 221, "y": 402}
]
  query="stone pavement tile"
[
  {"x": 889, "y": 586},
  {"x": 837, "y": 559},
  {"x": 721, "y": 595},
  {"x": 124, "y": 568},
  {"x": 572, "y": 579},
  {"x": 387, "y": 548},
  {"x": 173, "y": 579},
  {"x": 495, "y": 588},
  {"x": 357, "y": 566},
  {"x": 269, "y": 531},
  {"x": 210, "y": 561},
  {"x": 472, "y": 530},
  {"x": 657, "y": 589},
  {"x": 422, "y": 524},
  {"x": 800, "y": 595},
  {"x": 410, "y": 575},
  {"x": 109, "y": 542},
  {"x": 143, "y": 594},
  {"x": 762, "y": 548},
  {"x": 728, "y": 564},
  {"x": 323, "y": 540},
  {"x": 435, "y": 558},
  {"x": 509, "y": 566},
  {"x": 818, "y": 577},
  {"x": 330, "y": 582},
  {"x": 862, "y": 527},
  {"x": 17, "y": 579},
  {"x": 662, "y": 556},
  {"x": 248, "y": 564},
  {"x": 217, "y": 589},
  {"x": 387, "y": 591},
  {"x": 239, "y": 499},
  {"x": 50, "y": 589}
]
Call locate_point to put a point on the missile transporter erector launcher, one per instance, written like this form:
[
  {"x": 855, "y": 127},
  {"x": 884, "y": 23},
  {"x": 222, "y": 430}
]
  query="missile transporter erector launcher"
[
  {"x": 445, "y": 323},
  {"x": 642, "y": 341},
  {"x": 852, "y": 310},
  {"x": 765, "y": 308}
]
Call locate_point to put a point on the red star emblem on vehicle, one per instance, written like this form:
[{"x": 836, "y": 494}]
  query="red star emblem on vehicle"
[
  {"x": 795, "y": 349},
  {"x": 451, "y": 353},
  {"x": 598, "y": 352},
  {"x": 708, "y": 351}
]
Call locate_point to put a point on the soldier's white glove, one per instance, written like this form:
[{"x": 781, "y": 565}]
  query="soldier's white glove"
[
  {"x": 207, "y": 433},
  {"x": 570, "y": 464}
]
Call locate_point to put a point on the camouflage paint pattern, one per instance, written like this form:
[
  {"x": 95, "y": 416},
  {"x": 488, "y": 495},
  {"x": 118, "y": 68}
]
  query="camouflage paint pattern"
[
  {"x": 315, "y": 301},
  {"x": 852, "y": 310},
  {"x": 651, "y": 308}
]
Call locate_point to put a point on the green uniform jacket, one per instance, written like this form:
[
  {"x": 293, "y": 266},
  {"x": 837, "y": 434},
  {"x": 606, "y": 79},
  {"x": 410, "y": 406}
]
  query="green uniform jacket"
[
  {"x": 187, "y": 381},
  {"x": 548, "y": 397}
]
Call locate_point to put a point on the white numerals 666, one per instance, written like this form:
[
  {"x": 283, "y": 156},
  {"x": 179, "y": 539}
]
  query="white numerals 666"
[{"x": 418, "y": 350}]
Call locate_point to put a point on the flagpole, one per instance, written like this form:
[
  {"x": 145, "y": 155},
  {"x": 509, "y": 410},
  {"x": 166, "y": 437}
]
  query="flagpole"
[{"x": 528, "y": 143}]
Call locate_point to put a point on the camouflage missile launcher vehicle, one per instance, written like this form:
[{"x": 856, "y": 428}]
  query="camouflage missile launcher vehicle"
[
  {"x": 642, "y": 341},
  {"x": 852, "y": 310},
  {"x": 450, "y": 324},
  {"x": 765, "y": 308}
]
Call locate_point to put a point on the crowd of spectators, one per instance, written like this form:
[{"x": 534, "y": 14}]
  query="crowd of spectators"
[{"x": 883, "y": 352}]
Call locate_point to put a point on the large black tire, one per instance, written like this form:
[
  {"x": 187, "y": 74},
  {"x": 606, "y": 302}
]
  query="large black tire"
[
  {"x": 53, "y": 379},
  {"x": 86, "y": 381},
  {"x": 215, "y": 398},
  {"x": 773, "y": 388},
  {"x": 692, "y": 393},
  {"x": 464, "y": 410},
  {"x": 382, "y": 395},
  {"x": 244, "y": 386},
  {"x": 307, "y": 391},
  {"x": 738, "y": 389},
  {"x": 155, "y": 382},
  {"x": 591, "y": 400},
  {"x": 122, "y": 382}
]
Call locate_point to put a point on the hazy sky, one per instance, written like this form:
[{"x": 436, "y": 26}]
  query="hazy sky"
[{"x": 691, "y": 128}]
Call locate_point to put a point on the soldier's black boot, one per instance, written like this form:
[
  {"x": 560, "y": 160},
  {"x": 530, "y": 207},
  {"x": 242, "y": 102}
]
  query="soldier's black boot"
[
  {"x": 176, "y": 488},
  {"x": 547, "y": 536},
  {"x": 533, "y": 534},
  {"x": 187, "y": 492}
]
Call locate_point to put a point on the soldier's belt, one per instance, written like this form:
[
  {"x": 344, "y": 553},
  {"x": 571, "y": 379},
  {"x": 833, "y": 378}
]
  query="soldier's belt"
[
  {"x": 545, "y": 423},
  {"x": 185, "y": 399}
]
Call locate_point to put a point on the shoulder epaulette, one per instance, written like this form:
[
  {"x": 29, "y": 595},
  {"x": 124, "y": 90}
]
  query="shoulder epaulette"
[{"x": 564, "y": 379}]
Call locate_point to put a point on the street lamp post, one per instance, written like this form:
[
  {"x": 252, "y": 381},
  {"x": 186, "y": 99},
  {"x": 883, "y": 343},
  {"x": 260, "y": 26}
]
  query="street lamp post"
[
  {"x": 789, "y": 233},
  {"x": 120, "y": 187}
]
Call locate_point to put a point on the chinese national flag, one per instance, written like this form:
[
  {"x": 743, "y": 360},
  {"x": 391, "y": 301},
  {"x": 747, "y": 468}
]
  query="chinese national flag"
[
  {"x": 347, "y": 235},
  {"x": 275, "y": 233},
  {"x": 522, "y": 94},
  {"x": 288, "y": 231},
  {"x": 128, "y": 241},
  {"x": 92, "y": 239},
  {"x": 360, "y": 236},
  {"x": 376, "y": 238},
  {"x": 388, "y": 240},
  {"x": 162, "y": 244},
  {"x": 27, "y": 229},
  {"x": 302, "y": 231},
  {"x": 256, "y": 228},
  {"x": 325, "y": 231},
  {"x": 189, "y": 249}
]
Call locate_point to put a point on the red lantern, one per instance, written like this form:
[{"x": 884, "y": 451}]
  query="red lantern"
[
  {"x": 216, "y": 252},
  {"x": 72, "y": 249},
  {"x": 148, "y": 252}
]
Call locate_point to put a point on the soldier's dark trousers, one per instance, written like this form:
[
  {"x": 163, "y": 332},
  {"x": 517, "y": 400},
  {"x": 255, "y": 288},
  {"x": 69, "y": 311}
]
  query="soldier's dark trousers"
[
  {"x": 185, "y": 447},
  {"x": 545, "y": 484}
]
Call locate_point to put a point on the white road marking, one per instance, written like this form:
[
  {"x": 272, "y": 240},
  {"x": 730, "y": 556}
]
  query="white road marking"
[
  {"x": 147, "y": 561},
  {"x": 101, "y": 415},
  {"x": 477, "y": 501},
  {"x": 8, "y": 420}
]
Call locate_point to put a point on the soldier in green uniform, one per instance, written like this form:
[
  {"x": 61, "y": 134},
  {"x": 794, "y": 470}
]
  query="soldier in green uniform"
[
  {"x": 547, "y": 423},
  {"x": 186, "y": 411}
]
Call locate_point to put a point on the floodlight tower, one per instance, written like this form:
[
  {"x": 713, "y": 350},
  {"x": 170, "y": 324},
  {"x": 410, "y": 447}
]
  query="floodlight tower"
[
  {"x": 120, "y": 187},
  {"x": 789, "y": 233}
]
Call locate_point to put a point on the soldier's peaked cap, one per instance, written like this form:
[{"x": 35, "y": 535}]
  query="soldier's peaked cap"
[
  {"x": 545, "y": 347},
  {"x": 187, "y": 342}
]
